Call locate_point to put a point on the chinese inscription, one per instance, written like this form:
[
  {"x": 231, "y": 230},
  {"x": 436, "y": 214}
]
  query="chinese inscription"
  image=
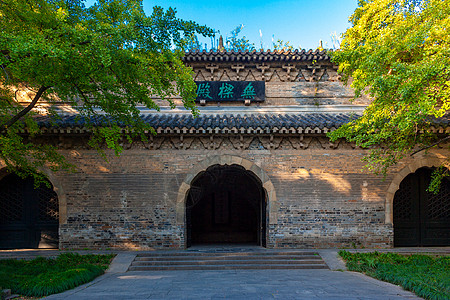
[
  {"x": 253, "y": 91},
  {"x": 226, "y": 91},
  {"x": 203, "y": 90},
  {"x": 249, "y": 92}
]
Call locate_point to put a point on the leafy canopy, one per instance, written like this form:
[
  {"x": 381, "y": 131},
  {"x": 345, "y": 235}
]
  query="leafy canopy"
[
  {"x": 234, "y": 43},
  {"x": 397, "y": 51},
  {"x": 109, "y": 57}
]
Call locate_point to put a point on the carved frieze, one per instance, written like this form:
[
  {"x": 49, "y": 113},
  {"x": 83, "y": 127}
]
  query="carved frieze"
[
  {"x": 287, "y": 72},
  {"x": 211, "y": 142}
]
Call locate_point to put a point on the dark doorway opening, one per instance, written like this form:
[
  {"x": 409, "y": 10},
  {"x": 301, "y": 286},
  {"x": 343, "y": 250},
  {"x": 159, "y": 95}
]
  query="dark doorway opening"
[
  {"x": 421, "y": 218},
  {"x": 226, "y": 204},
  {"x": 29, "y": 216}
]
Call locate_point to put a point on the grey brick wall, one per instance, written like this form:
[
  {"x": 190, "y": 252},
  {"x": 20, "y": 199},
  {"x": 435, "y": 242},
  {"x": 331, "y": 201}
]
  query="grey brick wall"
[{"x": 324, "y": 199}]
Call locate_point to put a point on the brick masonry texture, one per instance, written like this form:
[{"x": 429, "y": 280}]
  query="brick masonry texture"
[{"x": 324, "y": 199}]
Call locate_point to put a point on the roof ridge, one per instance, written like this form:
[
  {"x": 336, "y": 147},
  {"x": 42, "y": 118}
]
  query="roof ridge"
[{"x": 283, "y": 55}]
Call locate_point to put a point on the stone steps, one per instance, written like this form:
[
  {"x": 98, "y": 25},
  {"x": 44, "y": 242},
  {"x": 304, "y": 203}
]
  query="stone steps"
[
  {"x": 227, "y": 262},
  {"x": 225, "y": 253},
  {"x": 187, "y": 260},
  {"x": 222, "y": 257}
]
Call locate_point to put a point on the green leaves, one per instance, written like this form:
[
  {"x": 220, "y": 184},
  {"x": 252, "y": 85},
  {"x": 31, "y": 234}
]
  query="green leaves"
[
  {"x": 397, "y": 52},
  {"x": 422, "y": 274},
  {"x": 108, "y": 59},
  {"x": 42, "y": 276}
]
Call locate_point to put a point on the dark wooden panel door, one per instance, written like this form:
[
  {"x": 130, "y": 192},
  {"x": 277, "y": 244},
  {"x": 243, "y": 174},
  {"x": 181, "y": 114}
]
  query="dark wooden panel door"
[
  {"x": 29, "y": 217},
  {"x": 14, "y": 227},
  {"x": 435, "y": 212},
  {"x": 421, "y": 218}
]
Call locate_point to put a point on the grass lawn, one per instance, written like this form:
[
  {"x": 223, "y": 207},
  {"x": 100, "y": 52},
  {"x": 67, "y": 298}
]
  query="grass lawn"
[
  {"x": 427, "y": 276},
  {"x": 44, "y": 276}
]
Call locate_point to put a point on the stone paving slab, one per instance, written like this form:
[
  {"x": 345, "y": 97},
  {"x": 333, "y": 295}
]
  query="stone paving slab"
[
  {"x": 121, "y": 262},
  {"x": 237, "y": 284},
  {"x": 332, "y": 259}
]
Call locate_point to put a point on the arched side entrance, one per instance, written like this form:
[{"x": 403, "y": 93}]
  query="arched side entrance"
[
  {"x": 29, "y": 217},
  {"x": 271, "y": 204},
  {"x": 421, "y": 218},
  {"x": 226, "y": 204}
]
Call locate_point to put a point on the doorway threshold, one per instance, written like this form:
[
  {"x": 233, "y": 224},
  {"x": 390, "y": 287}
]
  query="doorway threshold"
[{"x": 221, "y": 248}]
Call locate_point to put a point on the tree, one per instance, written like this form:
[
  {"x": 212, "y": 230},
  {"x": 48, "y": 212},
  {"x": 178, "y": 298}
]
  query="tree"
[
  {"x": 398, "y": 52},
  {"x": 238, "y": 44},
  {"x": 109, "y": 57},
  {"x": 281, "y": 45}
]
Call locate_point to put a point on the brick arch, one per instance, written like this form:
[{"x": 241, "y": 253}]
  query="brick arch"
[
  {"x": 57, "y": 187},
  {"x": 398, "y": 178},
  {"x": 267, "y": 184}
]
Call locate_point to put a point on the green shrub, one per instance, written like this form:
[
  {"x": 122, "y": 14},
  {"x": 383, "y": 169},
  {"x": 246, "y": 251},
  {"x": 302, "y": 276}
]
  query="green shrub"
[
  {"x": 424, "y": 275},
  {"x": 43, "y": 276}
]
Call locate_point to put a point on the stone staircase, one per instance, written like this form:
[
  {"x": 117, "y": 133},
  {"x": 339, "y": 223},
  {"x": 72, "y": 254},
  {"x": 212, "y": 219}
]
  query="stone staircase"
[{"x": 188, "y": 260}]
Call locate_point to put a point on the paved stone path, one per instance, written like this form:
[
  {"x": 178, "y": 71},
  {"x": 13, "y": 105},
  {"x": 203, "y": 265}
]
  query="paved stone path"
[
  {"x": 242, "y": 284},
  {"x": 234, "y": 284}
]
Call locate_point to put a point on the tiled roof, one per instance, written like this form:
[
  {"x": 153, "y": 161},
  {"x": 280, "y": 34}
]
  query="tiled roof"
[
  {"x": 227, "y": 123},
  {"x": 262, "y": 56}
]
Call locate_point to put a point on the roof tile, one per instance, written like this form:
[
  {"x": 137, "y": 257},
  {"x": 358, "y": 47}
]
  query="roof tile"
[
  {"x": 288, "y": 56},
  {"x": 226, "y": 121}
]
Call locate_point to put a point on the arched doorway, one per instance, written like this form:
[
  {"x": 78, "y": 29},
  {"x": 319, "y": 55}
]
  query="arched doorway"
[
  {"x": 421, "y": 218},
  {"x": 29, "y": 216},
  {"x": 226, "y": 204}
]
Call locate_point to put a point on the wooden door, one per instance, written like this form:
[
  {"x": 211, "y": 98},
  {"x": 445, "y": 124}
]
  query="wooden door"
[
  {"x": 29, "y": 216},
  {"x": 421, "y": 218}
]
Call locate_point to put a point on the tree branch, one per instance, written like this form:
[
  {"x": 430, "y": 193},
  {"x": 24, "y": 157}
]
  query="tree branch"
[
  {"x": 432, "y": 145},
  {"x": 6, "y": 73},
  {"x": 82, "y": 94},
  {"x": 24, "y": 111}
]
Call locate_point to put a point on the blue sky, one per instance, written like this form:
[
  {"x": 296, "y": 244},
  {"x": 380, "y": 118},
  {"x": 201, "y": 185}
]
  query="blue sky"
[{"x": 303, "y": 23}]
